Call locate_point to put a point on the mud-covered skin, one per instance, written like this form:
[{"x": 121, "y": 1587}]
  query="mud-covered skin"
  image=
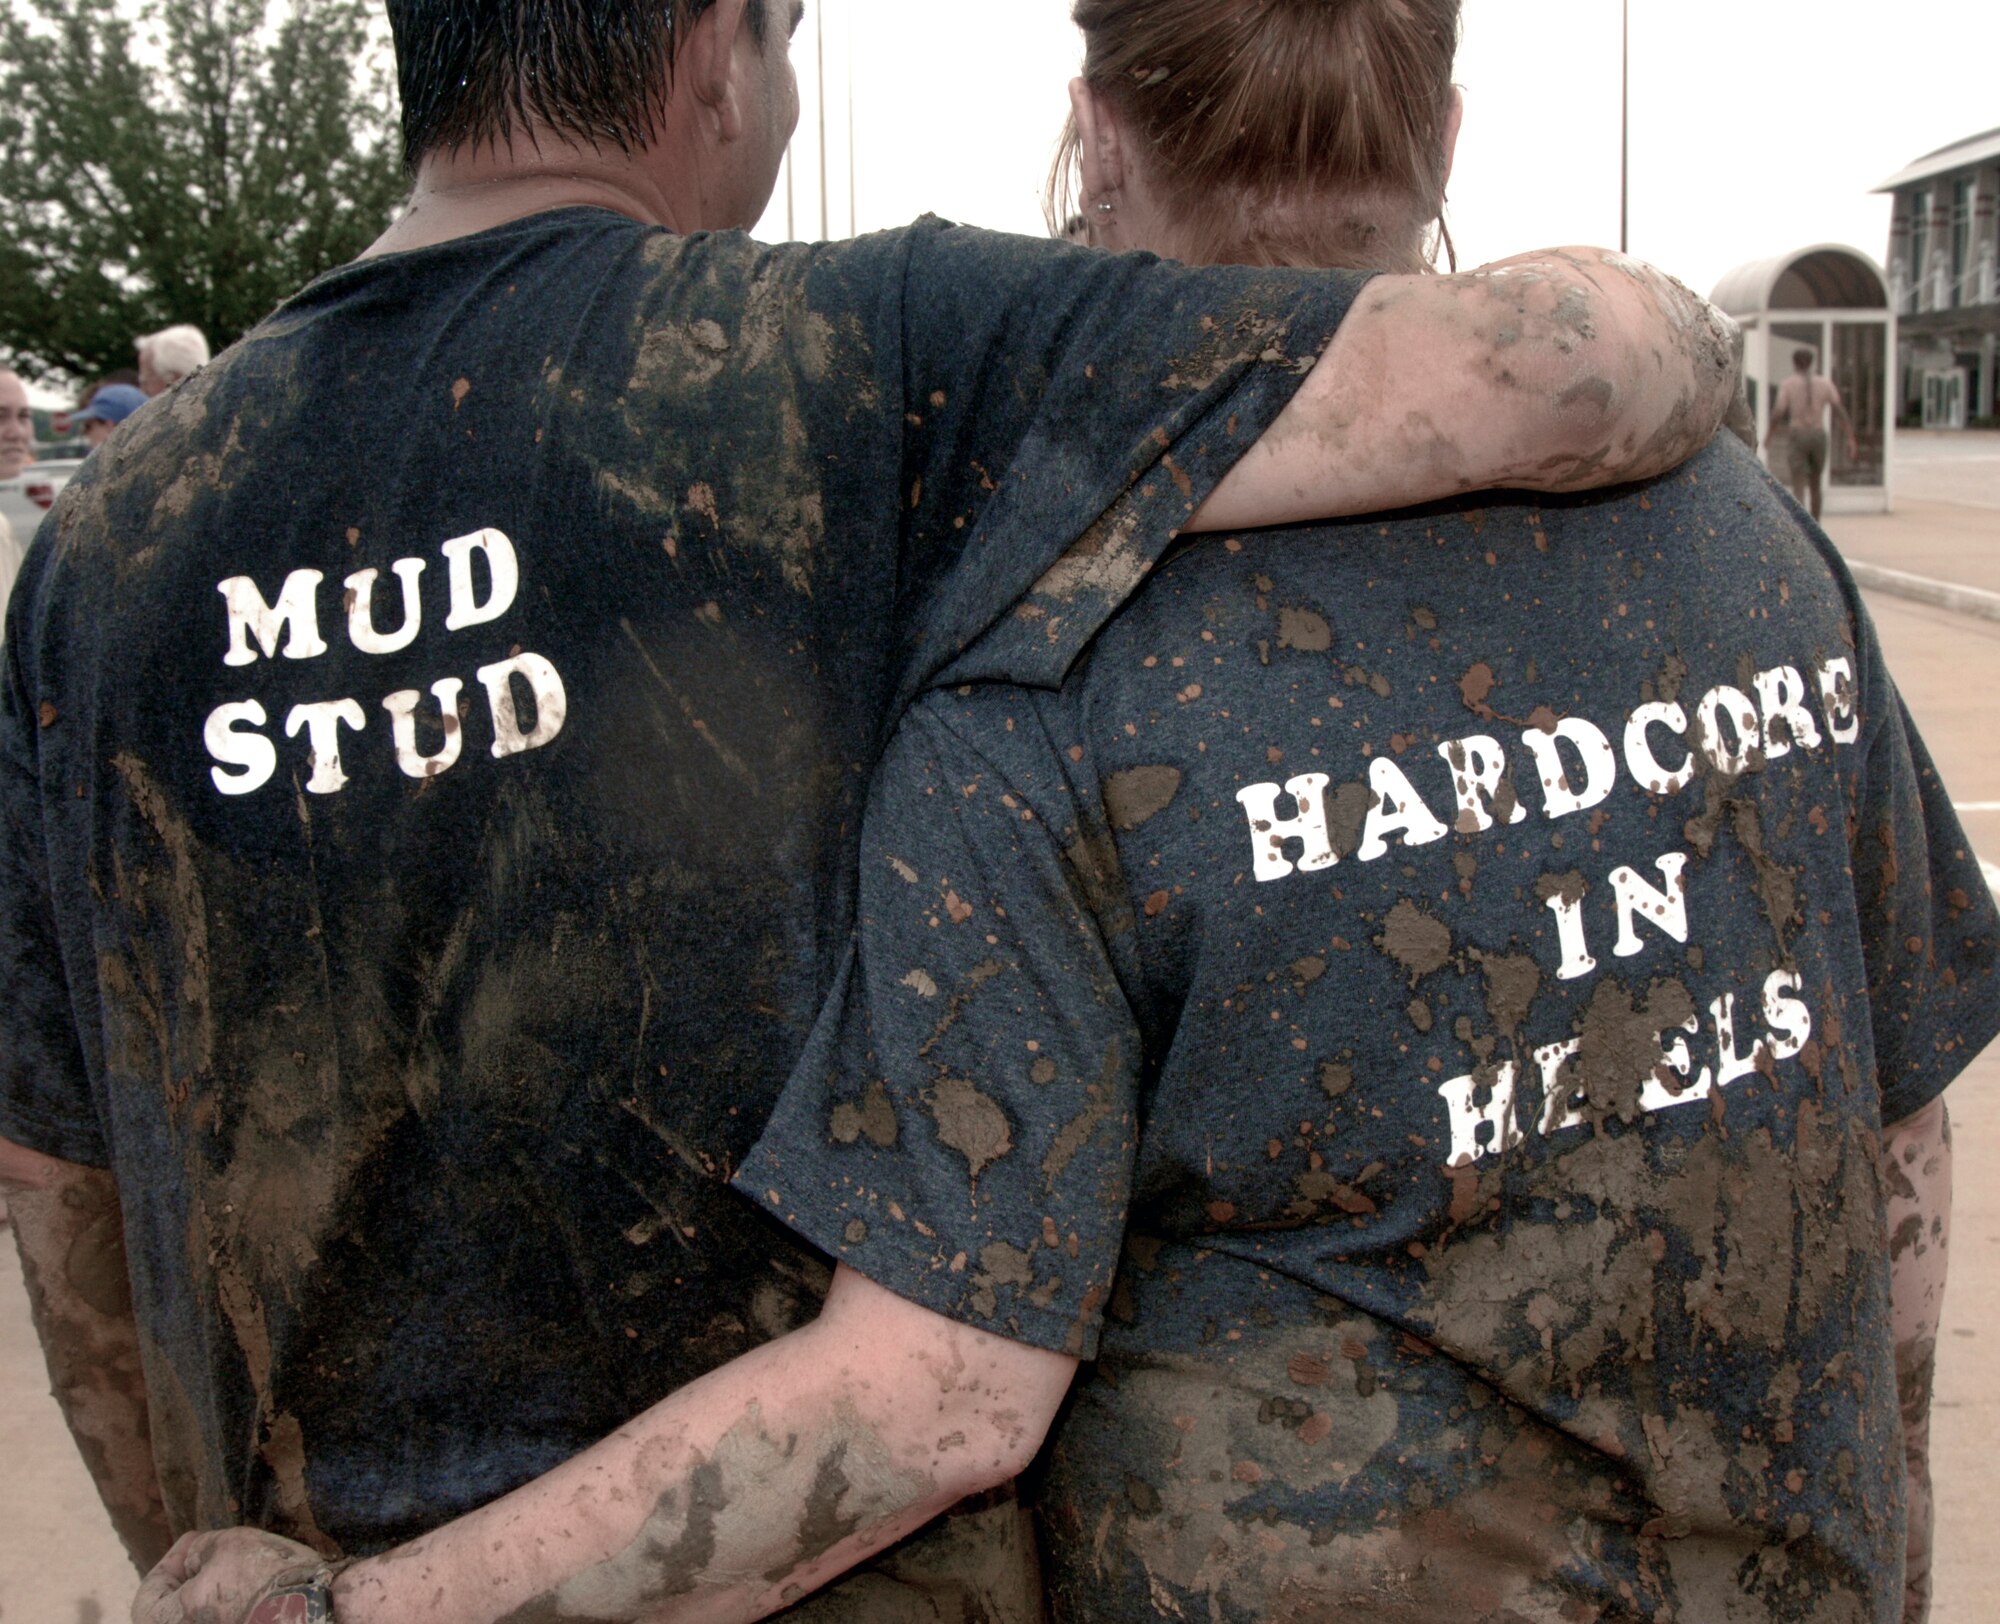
[
  {"x": 711, "y": 1533},
  {"x": 1917, "y": 1168},
  {"x": 66, "y": 1225},
  {"x": 422, "y": 1091},
  {"x": 1377, "y": 1341}
]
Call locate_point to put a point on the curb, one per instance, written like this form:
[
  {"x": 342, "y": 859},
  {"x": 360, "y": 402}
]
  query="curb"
[{"x": 1963, "y": 600}]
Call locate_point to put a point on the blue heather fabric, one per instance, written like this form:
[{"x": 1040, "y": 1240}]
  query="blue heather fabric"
[{"x": 1258, "y": 1013}]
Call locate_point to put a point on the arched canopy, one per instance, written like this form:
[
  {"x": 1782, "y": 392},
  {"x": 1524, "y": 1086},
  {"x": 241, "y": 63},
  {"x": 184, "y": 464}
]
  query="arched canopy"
[{"x": 1824, "y": 277}]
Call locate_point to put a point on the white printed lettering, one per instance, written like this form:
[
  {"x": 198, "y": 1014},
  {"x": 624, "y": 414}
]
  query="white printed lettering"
[
  {"x": 551, "y": 703},
  {"x": 402, "y": 709},
  {"x": 296, "y": 612},
  {"x": 1576, "y": 959},
  {"x": 1477, "y": 765},
  {"x": 1782, "y": 691},
  {"x": 501, "y": 565},
  {"x": 1395, "y": 805},
  {"x": 1635, "y": 896},
  {"x": 1731, "y": 1067},
  {"x": 1470, "y": 1119},
  {"x": 255, "y": 755},
  {"x": 1836, "y": 692},
  {"x": 360, "y": 617},
  {"x": 1743, "y": 721},
  {"x": 1655, "y": 1095},
  {"x": 322, "y": 723},
  {"x": 1269, "y": 832},
  {"x": 1639, "y": 758},
  {"x": 1559, "y": 1096},
  {"x": 1787, "y": 1017},
  {"x": 1600, "y": 765}
]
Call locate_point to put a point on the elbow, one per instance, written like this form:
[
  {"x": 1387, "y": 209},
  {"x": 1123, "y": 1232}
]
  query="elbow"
[
  {"x": 1645, "y": 391},
  {"x": 988, "y": 1439}
]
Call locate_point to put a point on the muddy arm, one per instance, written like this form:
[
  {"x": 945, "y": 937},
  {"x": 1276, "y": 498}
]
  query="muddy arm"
[
  {"x": 1557, "y": 371},
  {"x": 1917, "y": 1154},
  {"x": 731, "y": 1498},
  {"x": 72, "y": 1244}
]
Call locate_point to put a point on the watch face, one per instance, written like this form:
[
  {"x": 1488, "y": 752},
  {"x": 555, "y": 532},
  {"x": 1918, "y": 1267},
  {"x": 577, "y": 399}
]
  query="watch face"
[{"x": 307, "y": 1606}]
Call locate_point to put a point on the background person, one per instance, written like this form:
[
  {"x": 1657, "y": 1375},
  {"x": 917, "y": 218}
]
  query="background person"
[
  {"x": 107, "y": 407},
  {"x": 17, "y": 450},
  {"x": 1427, "y": 1008},
  {"x": 171, "y": 354},
  {"x": 1800, "y": 412},
  {"x": 485, "y": 842}
]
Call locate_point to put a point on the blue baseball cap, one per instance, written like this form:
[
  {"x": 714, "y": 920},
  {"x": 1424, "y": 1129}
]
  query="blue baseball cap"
[{"x": 112, "y": 404}]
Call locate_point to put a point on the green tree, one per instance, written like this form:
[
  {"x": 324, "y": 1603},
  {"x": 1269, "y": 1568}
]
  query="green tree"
[{"x": 193, "y": 160}]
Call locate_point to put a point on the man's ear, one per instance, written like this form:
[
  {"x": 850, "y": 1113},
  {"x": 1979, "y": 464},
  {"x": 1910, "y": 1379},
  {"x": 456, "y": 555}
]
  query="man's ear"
[
  {"x": 1100, "y": 143},
  {"x": 706, "y": 61},
  {"x": 1454, "y": 117}
]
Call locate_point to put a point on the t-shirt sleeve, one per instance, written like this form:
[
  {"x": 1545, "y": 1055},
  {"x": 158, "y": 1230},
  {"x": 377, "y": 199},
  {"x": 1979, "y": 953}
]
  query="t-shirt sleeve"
[
  {"x": 1066, "y": 406},
  {"x": 1929, "y": 926},
  {"x": 46, "y": 1102},
  {"x": 961, "y": 1126}
]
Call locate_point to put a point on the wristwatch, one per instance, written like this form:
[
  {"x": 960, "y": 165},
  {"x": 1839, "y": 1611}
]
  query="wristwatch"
[{"x": 298, "y": 1599}]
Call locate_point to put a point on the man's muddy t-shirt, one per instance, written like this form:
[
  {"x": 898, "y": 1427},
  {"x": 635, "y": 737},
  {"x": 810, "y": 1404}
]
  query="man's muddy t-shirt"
[
  {"x": 434, "y": 746},
  {"x": 1467, "y": 961}
]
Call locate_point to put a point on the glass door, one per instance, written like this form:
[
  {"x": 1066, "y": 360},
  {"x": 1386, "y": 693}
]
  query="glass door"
[{"x": 1860, "y": 370}]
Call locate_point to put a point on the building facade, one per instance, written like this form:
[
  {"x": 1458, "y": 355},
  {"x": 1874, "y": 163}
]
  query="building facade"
[{"x": 1944, "y": 281}]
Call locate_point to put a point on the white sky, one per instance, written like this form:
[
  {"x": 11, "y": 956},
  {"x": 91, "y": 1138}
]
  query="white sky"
[{"x": 1757, "y": 125}]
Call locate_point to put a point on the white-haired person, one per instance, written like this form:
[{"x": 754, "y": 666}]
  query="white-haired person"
[{"x": 170, "y": 355}]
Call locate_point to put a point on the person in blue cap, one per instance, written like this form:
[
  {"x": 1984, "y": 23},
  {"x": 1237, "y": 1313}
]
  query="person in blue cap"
[{"x": 105, "y": 410}]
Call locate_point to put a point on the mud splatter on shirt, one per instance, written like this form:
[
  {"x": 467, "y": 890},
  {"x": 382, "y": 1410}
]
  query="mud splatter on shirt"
[
  {"x": 458, "y": 703},
  {"x": 1469, "y": 1083}
]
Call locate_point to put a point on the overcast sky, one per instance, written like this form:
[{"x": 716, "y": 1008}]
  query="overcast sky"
[{"x": 1757, "y": 125}]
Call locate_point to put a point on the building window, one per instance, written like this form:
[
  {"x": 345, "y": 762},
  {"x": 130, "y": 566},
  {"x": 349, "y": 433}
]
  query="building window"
[{"x": 1961, "y": 240}]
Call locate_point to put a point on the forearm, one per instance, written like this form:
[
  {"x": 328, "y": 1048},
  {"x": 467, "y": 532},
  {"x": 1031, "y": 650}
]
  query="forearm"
[
  {"x": 742, "y": 1491},
  {"x": 1917, "y": 1165},
  {"x": 71, "y": 1240},
  {"x": 1563, "y": 370}
]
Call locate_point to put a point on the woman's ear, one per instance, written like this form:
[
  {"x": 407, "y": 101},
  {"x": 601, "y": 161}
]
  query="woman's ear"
[
  {"x": 1099, "y": 147},
  {"x": 1454, "y": 116}
]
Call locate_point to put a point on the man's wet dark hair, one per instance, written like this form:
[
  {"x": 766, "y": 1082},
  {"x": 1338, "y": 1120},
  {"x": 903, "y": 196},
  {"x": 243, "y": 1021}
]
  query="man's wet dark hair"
[
  {"x": 475, "y": 71},
  {"x": 1803, "y": 359}
]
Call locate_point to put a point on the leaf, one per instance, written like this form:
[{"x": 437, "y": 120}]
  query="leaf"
[{"x": 199, "y": 162}]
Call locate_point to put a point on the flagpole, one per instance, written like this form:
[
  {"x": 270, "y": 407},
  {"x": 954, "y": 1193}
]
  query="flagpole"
[
  {"x": 825, "y": 211},
  {"x": 1625, "y": 130}
]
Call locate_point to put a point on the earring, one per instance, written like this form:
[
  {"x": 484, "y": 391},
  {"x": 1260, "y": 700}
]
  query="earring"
[{"x": 1105, "y": 206}]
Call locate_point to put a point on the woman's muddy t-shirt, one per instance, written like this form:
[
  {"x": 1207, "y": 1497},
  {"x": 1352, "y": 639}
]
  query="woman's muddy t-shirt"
[
  {"x": 434, "y": 745},
  {"x": 1456, "y": 969}
]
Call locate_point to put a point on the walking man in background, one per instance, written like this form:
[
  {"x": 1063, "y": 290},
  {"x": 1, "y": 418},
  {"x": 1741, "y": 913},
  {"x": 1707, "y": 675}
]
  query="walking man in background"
[{"x": 1800, "y": 410}]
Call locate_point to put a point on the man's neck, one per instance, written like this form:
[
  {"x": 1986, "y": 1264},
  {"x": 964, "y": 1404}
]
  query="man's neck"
[{"x": 465, "y": 191}]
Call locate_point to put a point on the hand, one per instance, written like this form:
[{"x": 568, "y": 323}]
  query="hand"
[{"x": 216, "y": 1578}]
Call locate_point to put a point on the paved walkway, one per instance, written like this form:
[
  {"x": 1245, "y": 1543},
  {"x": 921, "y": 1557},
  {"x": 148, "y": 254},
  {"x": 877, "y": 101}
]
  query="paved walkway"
[
  {"x": 59, "y": 1561},
  {"x": 1941, "y": 541}
]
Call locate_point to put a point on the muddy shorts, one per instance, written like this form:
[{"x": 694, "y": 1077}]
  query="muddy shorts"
[{"x": 1808, "y": 451}]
